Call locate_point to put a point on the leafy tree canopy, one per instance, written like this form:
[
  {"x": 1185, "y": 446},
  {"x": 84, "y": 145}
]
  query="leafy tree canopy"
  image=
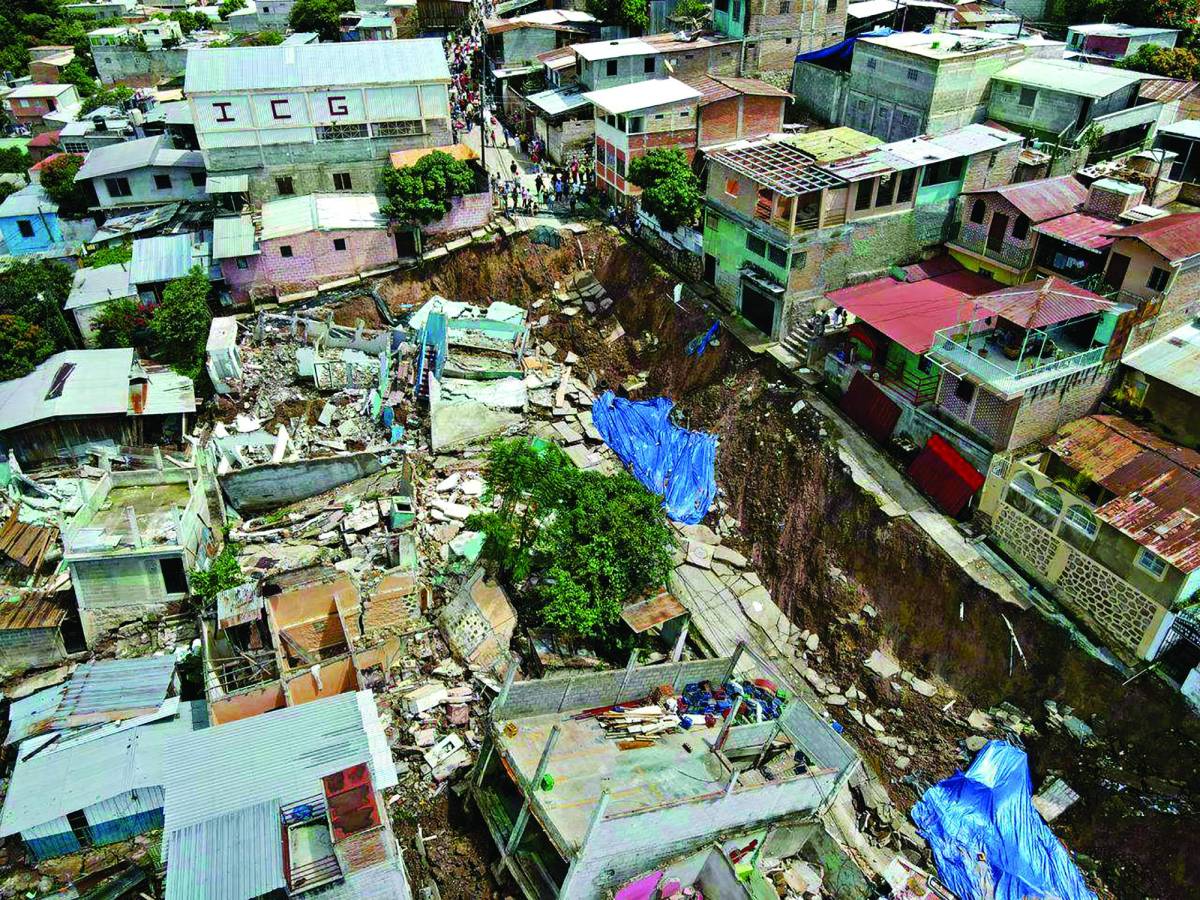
[
  {"x": 692, "y": 12},
  {"x": 670, "y": 189},
  {"x": 14, "y": 160},
  {"x": 223, "y": 573},
  {"x": 113, "y": 96},
  {"x": 321, "y": 16},
  {"x": 421, "y": 193},
  {"x": 76, "y": 73},
  {"x": 631, "y": 13},
  {"x": 35, "y": 291},
  {"x": 108, "y": 256},
  {"x": 22, "y": 346},
  {"x": 1169, "y": 62},
  {"x": 58, "y": 180},
  {"x": 181, "y": 321},
  {"x": 1183, "y": 15},
  {"x": 228, "y": 6},
  {"x": 575, "y": 545},
  {"x": 7, "y": 190},
  {"x": 189, "y": 20},
  {"x": 123, "y": 323},
  {"x": 263, "y": 39}
]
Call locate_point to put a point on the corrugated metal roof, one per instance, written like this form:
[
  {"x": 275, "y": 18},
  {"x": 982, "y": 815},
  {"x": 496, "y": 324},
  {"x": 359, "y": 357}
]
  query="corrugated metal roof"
[
  {"x": 77, "y": 772},
  {"x": 92, "y": 286},
  {"x": 227, "y": 184},
  {"x": 1175, "y": 237},
  {"x": 642, "y": 95},
  {"x": 38, "y": 90},
  {"x": 31, "y": 612},
  {"x": 168, "y": 392},
  {"x": 123, "y": 157},
  {"x": 315, "y": 66},
  {"x": 98, "y": 384},
  {"x": 1068, "y": 77},
  {"x": 1044, "y": 199},
  {"x": 559, "y": 100},
  {"x": 910, "y": 313},
  {"x": 829, "y": 144},
  {"x": 98, "y": 691},
  {"x": 1156, "y": 484},
  {"x": 280, "y": 755},
  {"x": 1079, "y": 230},
  {"x": 24, "y": 542},
  {"x": 1165, "y": 90},
  {"x": 1174, "y": 358},
  {"x": 320, "y": 212},
  {"x": 29, "y": 201},
  {"x": 232, "y": 856},
  {"x": 1048, "y": 301},
  {"x": 976, "y": 138},
  {"x": 562, "y": 58},
  {"x": 234, "y": 236},
  {"x": 645, "y": 614},
  {"x": 162, "y": 258},
  {"x": 1188, "y": 128}
]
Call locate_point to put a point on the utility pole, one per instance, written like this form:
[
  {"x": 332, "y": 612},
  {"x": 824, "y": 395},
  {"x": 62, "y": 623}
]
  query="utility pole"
[{"x": 483, "y": 127}]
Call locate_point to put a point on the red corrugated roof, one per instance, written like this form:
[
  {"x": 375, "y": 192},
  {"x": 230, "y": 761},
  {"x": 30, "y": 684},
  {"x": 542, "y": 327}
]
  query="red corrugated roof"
[
  {"x": 1157, "y": 484},
  {"x": 1044, "y": 199},
  {"x": 1175, "y": 237},
  {"x": 1080, "y": 230},
  {"x": 45, "y": 139},
  {"x": 910, "y": 312},
  {"x": 1044, "y": 302},
  {"x": 941, "y": 472}
]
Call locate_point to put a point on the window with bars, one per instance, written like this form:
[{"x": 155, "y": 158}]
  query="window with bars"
[
  {"x": 74, "y": 147},
  {"x": 347, "y": 132},
  {"x": 396, "y": 129},
  {"x": 756, "y": 245},
  {"x": 341, "y": 181}
]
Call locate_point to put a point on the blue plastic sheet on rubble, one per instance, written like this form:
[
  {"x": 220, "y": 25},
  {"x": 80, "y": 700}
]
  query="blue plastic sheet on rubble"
[
  {"x": 671, "y": 461},
  {"x": 989, "y": 810}
]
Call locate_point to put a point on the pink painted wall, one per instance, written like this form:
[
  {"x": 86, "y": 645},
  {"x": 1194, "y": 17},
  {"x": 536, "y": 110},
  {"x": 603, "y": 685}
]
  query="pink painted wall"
[
  {"x": 313, "y": 260},
  {"x": 467, "y": 212}
]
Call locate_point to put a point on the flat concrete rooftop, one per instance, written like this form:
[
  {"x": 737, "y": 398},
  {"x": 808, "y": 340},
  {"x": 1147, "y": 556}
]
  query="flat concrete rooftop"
[
  {"x": 154, "y": 506},
  {"x": 585, "y": 761}
]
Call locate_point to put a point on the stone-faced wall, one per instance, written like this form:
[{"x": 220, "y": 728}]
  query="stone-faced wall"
[{"x": 1124, "y": 615}]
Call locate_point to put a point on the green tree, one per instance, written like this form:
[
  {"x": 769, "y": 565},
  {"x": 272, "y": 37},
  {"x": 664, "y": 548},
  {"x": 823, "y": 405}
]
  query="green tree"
[
  {"x": 121, "y": 323},
  {"x": 108, "y": 256},
  {"x": 692, "y": 13},
  {"x": 1169, "y": 62},
  {"x": 223, "y": 573},
  {"x": 228, "y": 6},
  {"x": 181, "y": 321},
  {"x": 7, "y": 190},
  {"x": 114, "y": 96},
  {"x": 22, "y": 346},
  {"x": 670, "y": 189},
  {"x": 188, "y": 20},
  {"x": 35, "y": 290},
  {"x": 421, "y": 193},
  {"x": 320, "y": 16},
  {"x": 75, "y": 73},
  {"x": 14, "y": 160},
  {"x": 575, "y": 545},
  {"x": 263, "y": 39},
  {"x": 74, "y": 198},
  {"x": 631, "y": 13}
]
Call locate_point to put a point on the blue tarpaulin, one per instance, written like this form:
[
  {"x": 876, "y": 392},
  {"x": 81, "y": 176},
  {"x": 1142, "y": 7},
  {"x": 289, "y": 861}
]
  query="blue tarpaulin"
[
  {"x": 669, "y": 460},
  {"x": 838, "y": 55},
  {"x": 989, "y": 840}
]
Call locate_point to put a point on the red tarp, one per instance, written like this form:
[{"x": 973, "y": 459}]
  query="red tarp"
[
  {"x": 870, "y": 408},
  {"x": 948, "y": 479}
]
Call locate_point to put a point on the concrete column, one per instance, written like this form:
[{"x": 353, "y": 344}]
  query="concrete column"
[
  {"x": 724, "y": 733},
  {"x": 523, "y": 816},
  {"x": 677, "y": 650},
  {"x": 597, "y": 817},
  {"x": 629, "y": 667}
]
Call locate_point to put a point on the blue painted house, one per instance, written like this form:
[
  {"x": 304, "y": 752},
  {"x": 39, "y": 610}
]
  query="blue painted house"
[{"x": 29, "y": 223}]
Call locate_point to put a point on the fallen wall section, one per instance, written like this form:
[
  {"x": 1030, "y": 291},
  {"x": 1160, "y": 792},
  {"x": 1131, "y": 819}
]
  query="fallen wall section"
[{"x": 262, "y": 488}]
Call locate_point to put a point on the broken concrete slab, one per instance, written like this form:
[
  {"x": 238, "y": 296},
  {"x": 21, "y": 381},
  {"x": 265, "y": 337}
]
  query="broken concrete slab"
[
  {"x": 730, "y": 556},
  {"x": 259, "y": 489}
]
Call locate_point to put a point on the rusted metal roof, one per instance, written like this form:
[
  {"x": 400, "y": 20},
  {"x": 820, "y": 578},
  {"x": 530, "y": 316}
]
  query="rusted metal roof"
[
  {"x": 1041, "y": 303},
  {"x": 31, "y": 611},
  {"x": 1044, "y": 199},
  {"x": 1165, "y": 90},
  {"x": 26, "y": 544},
  {"x": 1156, "y": 483},
  {"x": 1174, "y": 237},
  {"x": 645, "y": 614},
  {"x": 1079, "y": 230}
]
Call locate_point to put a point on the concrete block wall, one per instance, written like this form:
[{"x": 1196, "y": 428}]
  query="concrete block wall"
[
  {"x": 138, "y": 68},
  {"x": 530, "y": 698},
  {"x": 821, "y": 92},
  {"x": 989, "y": 170},
  {"x": 24, "y": 647}
]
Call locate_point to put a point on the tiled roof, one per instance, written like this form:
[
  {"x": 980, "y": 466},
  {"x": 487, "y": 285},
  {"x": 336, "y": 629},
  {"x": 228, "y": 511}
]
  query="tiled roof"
[{"x": 1156, "y": 483}]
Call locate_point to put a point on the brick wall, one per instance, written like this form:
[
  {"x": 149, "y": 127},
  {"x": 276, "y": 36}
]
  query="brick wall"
[
  {"x": 740, "y": 118},
  {"x": 466, "y": 213},
  {"x": 983, "y": 171},
  {"x": 313, "y": 260},
  {"x": 1111, "y": 204},
  {"x": 43, "y": 72}
]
